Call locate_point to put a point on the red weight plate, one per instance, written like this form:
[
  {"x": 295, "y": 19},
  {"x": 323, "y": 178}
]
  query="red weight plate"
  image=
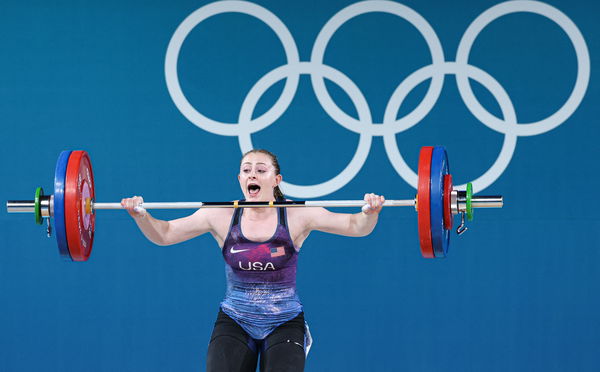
[
  {"x": 79, "y": 186},
  {"x": 448, "y": 221},
  {"x": 423, "y": 200}
]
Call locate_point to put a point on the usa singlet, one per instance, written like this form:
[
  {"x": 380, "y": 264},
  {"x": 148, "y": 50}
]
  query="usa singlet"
[{"x": 261, "y": 278}]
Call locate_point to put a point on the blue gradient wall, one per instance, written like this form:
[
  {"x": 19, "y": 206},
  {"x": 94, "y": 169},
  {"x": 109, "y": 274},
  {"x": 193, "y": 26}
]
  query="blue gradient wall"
[{"x": 518, "y": 291}]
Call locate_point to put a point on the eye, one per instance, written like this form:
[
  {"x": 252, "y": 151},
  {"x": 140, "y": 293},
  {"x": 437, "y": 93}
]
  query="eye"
[{"x": 261, "y": 171}]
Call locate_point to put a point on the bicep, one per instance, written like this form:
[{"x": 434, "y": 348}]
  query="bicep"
[
  {"x": 189, "y": 227},
  {"x": 320, "y": 219}
]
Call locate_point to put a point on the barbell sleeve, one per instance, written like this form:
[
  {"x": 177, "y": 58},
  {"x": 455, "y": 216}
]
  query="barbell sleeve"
[{"x": 20, "y": 206}]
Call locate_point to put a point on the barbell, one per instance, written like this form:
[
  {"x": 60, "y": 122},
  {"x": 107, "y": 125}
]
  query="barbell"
[{"x": 73, "y": 205}]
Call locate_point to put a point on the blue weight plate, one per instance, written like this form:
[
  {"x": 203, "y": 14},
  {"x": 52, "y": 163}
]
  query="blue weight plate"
[
  {"x": 59, "y": 204},
  {"x": 440, "y": 237}
]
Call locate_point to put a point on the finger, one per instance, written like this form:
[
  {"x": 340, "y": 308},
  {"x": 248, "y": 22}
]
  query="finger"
[
  {"x": 132, "y": 203},
  {"x": 366, "y": 207},
  {"x": 376, "y": 203},
  {"x": 373, "y": 201}
]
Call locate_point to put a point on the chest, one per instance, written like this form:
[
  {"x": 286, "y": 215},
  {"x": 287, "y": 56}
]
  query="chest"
[
  {"x": 259, "y": 230},
  {"x": 259, "y": 244},
  {"x": 271, "y": 254}
]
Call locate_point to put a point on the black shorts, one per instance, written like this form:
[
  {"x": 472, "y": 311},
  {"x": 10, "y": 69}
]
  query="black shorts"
[{"x": 232, "y": 349}]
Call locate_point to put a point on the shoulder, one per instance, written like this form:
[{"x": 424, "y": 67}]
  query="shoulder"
[
  {"x": 215, "y": 216},
  {"x": 226, "y": 213},
  {"x": 306, "y": 216}
]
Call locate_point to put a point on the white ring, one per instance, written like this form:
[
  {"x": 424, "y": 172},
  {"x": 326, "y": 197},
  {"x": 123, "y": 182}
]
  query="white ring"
[
  {"x": 506, "y": 106},
  {"x": 402, "y": 11},
  {"x": 583, "y": 67},
  {"x": 364, "y": 115},
  {"x": 209, "y": 10}
]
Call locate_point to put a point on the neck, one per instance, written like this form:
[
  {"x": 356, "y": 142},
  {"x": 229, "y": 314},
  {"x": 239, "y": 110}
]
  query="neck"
[{"x": 260, "y": 212}]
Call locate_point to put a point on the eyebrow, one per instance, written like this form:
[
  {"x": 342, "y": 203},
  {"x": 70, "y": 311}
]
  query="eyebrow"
[{"x": 251, "y": 163}]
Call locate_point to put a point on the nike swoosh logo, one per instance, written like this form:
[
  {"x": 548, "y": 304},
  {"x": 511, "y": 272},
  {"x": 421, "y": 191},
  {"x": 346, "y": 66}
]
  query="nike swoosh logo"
[{"x": 234, "y": 251}]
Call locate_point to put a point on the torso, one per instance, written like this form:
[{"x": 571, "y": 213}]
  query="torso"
[{"x": 261, "y": 264}]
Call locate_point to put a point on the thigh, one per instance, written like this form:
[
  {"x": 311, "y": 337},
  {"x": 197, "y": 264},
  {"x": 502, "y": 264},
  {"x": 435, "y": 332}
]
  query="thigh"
[
  {"x": 230, "y": 348},
  {"x": 283, "y": 349}
]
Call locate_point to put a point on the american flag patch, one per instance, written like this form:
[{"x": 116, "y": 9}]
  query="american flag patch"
[{"x": 276, "y": 252}]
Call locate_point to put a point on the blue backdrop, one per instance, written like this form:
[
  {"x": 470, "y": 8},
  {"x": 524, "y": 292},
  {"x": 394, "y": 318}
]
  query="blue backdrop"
[{"x": 151, "y": 100}]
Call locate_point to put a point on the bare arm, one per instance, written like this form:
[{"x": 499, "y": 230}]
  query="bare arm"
[
  {"x": 168, "y": 232},
  {"x": 358, "y": 224},
  {"x": 175, "y": 231}
]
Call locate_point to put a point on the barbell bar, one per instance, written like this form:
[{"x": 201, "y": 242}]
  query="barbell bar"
[
  {"x": 73, "y": 206},
  {"x": 28, "y": 206}
]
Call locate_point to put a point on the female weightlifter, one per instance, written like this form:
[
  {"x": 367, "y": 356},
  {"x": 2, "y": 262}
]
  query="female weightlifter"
[{"x": 261, "y": 313}]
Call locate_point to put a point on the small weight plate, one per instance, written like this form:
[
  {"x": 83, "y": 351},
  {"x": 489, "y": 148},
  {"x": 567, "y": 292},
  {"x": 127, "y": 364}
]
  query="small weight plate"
[
  {"x": 469, "y": 204},
  {"x": 79, "y": 186},
  {"x": 37, "y": 210},
  {"x": 423, "y": 197},
  {"x": 448, "y": 217},
  {"x": 440, "y": 238},
  {"x": 59, "y": 205}
]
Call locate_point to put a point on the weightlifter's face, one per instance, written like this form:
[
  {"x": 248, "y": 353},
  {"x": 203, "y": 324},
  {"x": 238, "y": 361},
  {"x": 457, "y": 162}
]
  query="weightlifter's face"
[{"x": 257, "y": 177}]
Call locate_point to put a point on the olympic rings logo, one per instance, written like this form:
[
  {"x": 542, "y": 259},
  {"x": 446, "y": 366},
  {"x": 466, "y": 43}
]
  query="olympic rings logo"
[{"x": 364, "y": 126}]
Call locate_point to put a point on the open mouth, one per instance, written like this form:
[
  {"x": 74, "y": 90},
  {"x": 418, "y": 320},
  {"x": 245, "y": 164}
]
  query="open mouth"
[{"x": 253, "y": 189}]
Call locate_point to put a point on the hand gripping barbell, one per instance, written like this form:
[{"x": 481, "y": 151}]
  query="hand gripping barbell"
[{"x": 73, "y": 205}]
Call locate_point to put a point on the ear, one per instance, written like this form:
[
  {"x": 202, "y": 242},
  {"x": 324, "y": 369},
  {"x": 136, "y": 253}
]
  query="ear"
[{"x": 278, "y": 179}]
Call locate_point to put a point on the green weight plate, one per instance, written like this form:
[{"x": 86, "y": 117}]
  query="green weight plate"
[
  {"x": 469, "y": 197},
  {"x": 39, "y": 192}
]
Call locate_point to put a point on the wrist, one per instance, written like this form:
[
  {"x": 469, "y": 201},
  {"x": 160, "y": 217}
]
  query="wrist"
[{"x": 140, "y": 217}]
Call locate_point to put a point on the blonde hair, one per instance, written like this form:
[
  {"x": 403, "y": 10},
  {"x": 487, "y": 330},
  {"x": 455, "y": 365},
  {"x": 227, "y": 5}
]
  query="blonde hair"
[{"x": 276, "y": 191}]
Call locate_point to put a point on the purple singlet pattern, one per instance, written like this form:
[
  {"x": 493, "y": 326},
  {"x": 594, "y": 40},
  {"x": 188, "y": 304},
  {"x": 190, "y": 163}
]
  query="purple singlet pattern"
[{"x": 261, "y": 278}]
